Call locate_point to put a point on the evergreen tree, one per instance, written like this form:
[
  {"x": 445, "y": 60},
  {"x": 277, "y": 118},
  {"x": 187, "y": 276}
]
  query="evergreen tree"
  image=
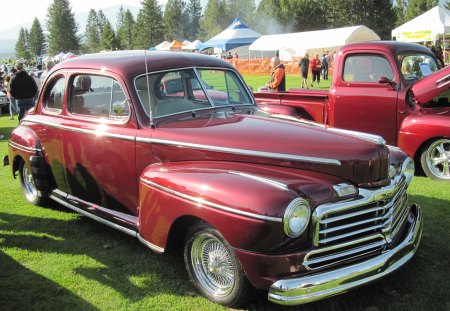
[
  {"x": 36, "y": 41},
  {"x": 194, "y": 15},
  {"x": 400, "y": 11},
  {"x": 22, "y": 44},
  {"x": 447, "y": 5},
  {"x": 62, "y": 28},
  {"x": 92, "y": 33},
  {"x": 417, "y": 7},
  {"x": 125, "y": 32},
  {"x": 269, "y": 17},
  {"x": 174, "y": 16},
  {"x": 214, "y": 19},
  {"x": 308, "y": 15},
  {"x": 119, "y": 26},
  {"x": 243, "y": 9},
  {"x": 108, "y": 37},
  {"x": 149, "y": 30}
]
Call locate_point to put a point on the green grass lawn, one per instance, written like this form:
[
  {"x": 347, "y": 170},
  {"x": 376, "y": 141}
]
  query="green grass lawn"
[{"x": 54, "y": 259}]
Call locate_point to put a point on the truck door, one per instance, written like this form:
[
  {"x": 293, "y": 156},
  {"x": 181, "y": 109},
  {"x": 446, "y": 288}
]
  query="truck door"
[{"x": 361, "y": 102}]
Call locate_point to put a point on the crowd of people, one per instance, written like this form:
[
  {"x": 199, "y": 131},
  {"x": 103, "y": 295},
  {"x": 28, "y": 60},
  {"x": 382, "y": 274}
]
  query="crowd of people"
[
  {"x": 21, "y": 87},
  {"x": 318, "y": 66}
]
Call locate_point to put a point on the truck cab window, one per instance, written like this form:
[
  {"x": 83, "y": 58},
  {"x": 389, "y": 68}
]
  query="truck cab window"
[{"x": 367, "y": 68}]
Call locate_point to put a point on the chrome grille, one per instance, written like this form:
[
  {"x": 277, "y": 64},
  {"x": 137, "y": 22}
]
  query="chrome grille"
[{"x": 358, "y": 227}]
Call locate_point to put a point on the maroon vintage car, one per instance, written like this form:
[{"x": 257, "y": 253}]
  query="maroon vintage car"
[{"x": 170, "y": 147}]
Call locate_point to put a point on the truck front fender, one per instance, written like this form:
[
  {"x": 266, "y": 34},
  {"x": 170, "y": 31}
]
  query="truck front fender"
[
  {"x": 417, "y": 130},
  {"x": 23, "y": 144}
]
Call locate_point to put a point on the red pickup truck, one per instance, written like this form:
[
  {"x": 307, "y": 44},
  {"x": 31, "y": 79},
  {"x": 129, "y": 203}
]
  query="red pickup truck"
[{"x": 393, "y": 89}]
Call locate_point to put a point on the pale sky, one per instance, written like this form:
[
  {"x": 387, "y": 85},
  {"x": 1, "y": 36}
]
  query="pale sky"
[{"x": 16, "y": 12}]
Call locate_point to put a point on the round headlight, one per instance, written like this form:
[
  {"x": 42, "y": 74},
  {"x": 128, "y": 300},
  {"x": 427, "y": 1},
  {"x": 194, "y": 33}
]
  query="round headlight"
[
  {"x": 408, "y": 170},
  {"x": 296, "y": 217}
]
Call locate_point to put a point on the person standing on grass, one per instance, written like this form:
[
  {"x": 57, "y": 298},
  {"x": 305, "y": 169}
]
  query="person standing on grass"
[
  {"x": 12, "y": 100},
  {"x": 23, "y": 88},
  {"x": 304, "y": 67},
  {"x": 278, "y": 80},
  {"x": 316, "y": 66}
]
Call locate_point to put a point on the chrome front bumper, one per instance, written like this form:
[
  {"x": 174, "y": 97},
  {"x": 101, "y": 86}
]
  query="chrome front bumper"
[{"x": 319, "y": 286}]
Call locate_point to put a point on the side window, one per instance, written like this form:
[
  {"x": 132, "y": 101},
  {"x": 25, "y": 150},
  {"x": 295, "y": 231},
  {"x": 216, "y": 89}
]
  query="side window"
[
  {"x": 366, "y": 68},
  {"x": 98, "y": 96},
  {"x": 54, "y": 96}
]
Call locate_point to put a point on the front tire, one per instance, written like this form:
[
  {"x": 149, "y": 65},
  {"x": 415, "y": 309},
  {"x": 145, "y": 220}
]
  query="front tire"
[
  {"x": 28, "y": 185},
  {"x": 435, "y": 159},
  {"x": 214, "y": 268}
]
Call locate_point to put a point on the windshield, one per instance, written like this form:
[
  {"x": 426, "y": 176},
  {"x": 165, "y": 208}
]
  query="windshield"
[
  {"x": 417, "y": 66},
  {"x": 179, "y": 91}
]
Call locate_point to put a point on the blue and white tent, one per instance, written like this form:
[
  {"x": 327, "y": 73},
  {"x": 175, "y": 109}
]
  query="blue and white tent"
[{"x": 236, "y": 35}]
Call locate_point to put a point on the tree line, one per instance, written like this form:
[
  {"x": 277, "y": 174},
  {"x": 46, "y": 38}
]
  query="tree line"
[{"x": 187, "y": 20}]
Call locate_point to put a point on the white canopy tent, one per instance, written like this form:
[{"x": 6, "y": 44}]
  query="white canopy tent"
[
  {"x": 296, "y": 44},
  {"x": 163, "y": 46},
  {"x": 425, "y": 27},
  {"x": 191, "y": 46}
]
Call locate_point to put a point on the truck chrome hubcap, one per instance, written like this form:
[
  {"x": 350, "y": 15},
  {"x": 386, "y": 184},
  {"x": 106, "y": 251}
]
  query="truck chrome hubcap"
[
  {"x": 438, "y": 158},
  {"x": 28, "y": 183},
  {"x": 212, "y": 265}
]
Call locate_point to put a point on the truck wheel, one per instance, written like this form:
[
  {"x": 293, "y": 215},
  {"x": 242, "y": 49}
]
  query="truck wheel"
[
  {"x": 32, "y": 195},
  {"x": 435, "y": 159},
  {"x": 214, "y": 268}
]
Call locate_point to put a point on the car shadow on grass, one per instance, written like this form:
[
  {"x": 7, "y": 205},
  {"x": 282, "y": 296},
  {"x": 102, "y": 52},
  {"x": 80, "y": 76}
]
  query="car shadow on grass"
[
  {"x": 122, "y": 263},
  {"x": 22, "y": 289}
]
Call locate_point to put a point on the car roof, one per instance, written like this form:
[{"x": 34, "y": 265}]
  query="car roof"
[
  {"x": 127, "y": 62},
  {"x": 394, "y": 47}
]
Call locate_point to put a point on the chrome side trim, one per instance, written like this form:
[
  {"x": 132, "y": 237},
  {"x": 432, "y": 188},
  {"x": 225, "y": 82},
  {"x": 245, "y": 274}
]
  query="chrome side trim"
[
  {"x": 94, "y": 217},
  {"x": 102, "y": 127},
  {"x": 201, "y": 201},
  {"x": 153, "y": 247},
  {"x": 262, "y": 179},
  {"x": 241, "y": 151},
  {"x": 366, "y": 136},
  {"x": 22, "y": 147},
  {"x": 318, "y": 286}
]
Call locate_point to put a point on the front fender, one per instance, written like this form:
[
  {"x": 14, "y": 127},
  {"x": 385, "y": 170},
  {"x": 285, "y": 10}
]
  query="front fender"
[
  {"x": 245, "y": 202},
  {"x": 418, "y": 129}
]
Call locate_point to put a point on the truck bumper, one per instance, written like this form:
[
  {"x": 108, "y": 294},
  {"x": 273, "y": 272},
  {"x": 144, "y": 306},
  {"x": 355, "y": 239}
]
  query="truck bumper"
[{"x": 319, "y": 286}]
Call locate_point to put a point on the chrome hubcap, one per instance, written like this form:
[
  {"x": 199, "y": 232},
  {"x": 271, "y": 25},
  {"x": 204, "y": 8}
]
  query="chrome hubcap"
[
  {"x": 438, "y": 158},
  {"x": 28, "y": 183},
  {"x": 213, "y": 265}
]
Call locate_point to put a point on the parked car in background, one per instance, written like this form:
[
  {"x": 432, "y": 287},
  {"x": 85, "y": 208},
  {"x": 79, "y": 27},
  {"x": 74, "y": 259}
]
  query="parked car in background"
[
  {"x": 171, "y": 148},
  {"x": 4, "y": 101},
  {"x": 388, "y": 88}
]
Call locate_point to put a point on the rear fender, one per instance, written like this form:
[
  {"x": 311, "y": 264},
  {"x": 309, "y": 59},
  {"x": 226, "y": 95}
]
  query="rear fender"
[
  {"x": 239, "y": 204},
  {"x": 23, "y": 144}
]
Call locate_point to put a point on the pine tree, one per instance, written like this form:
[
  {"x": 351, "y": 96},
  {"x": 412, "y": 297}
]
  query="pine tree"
[
  {"x": 214, "y": 19},
  {"x": 92, "y": 33},
  {"x": 243, "y": 9},
  {"x": 119, "y": 26},
  {"x": 194, "y": 15},
  {"x": 108, "y": 37},
  {"x": 125, "y": 32},
  {"x": 101, "y": 19},
  {"x": 269, "y": 16},
  {"x": 149, "y": 30},
  {"x": 417, "y": 7},
  {"x": 36, "y": 41},
  {"x": 22, "y": 44},
  {"x": 400, "y": 11},
  {"x": 174, "y": 16},
  {"x": 62, "y": 28}
]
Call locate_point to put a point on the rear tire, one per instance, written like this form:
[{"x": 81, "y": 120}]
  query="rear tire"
[
  {"x": 435, "y": 159},
  {"x": 214, "y": 268},
  {"x": 28, "y": 185}
]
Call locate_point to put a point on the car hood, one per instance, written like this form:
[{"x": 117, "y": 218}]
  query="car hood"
[
  {"x": 428, "y": 88},
  {"x": 254, "y": 139}
]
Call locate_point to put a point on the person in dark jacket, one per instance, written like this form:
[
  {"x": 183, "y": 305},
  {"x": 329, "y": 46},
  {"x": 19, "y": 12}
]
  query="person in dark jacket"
[{"x": 23, "y": 88}]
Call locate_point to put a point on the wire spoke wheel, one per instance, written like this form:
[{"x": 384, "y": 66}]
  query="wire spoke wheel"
[
  {"x": 29, "y": 187},
  {"x": 212, "y": 265}
]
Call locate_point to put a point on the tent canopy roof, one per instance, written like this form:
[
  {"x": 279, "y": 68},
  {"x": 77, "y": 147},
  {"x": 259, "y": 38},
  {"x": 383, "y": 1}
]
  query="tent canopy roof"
[
  {"x": 237, "y": 34},
  {"x": 300, "y": 42},
  {"x": 424, "y": 27}
]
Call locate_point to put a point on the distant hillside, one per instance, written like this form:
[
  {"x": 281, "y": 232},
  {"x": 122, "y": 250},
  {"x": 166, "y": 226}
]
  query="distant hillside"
[{"x": 8, "y": 37}]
